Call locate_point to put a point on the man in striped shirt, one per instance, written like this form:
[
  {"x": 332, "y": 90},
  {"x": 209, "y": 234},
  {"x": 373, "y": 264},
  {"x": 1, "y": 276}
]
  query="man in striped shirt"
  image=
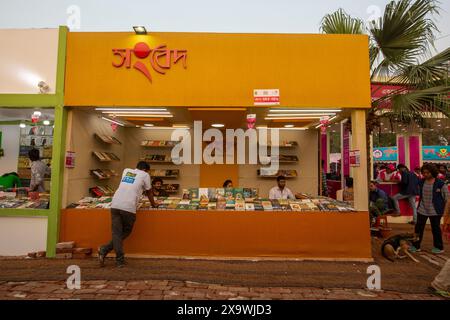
[{"x": 434, "y": 202}]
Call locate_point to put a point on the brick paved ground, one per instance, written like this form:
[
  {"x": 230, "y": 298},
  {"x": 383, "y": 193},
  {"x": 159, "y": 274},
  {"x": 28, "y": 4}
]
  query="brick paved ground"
[{"x": 185, "y": 290}]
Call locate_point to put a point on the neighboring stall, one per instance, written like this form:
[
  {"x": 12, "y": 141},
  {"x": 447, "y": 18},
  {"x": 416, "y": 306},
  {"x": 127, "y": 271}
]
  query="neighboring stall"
[
  {"x": 126, "y": 93},
  {"x": 31, "y": 116}
]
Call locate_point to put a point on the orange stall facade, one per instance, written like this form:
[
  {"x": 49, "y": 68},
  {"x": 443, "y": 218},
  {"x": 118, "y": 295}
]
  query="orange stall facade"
[
  {"x": 315, "y": 235},
  {"x": 211, "y": 70}
]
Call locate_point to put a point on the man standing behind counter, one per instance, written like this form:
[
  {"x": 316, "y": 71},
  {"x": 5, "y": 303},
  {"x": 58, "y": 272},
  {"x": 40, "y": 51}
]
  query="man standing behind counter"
[{"x": 281, "y": 191}]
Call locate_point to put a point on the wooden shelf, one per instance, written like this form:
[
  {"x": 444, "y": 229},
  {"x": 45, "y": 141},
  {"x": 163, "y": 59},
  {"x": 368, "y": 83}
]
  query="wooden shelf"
[
  {"x": 157, "y": 162},
  {"x": 166, "y": 177},
  {"x": 111, "y": 139},
  {"x": 274, "y": 177},
  {"x": 103, "y": 160}
]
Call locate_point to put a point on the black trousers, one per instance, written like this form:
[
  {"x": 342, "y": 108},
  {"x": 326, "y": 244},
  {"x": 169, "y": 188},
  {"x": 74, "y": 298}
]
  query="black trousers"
[
  {"x": 122, "y": 225},
  {"x": 435, "y": 222}
]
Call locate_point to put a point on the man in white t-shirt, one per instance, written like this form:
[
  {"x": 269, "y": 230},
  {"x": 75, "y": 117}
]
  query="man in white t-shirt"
[
  {"x": 281, "y": 191},
  {"x": 133, "y": 184}
]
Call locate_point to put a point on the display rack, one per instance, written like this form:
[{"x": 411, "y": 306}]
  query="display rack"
[
  {"x": 107, "y": 139},
  {"x": 105, "y": 156}
]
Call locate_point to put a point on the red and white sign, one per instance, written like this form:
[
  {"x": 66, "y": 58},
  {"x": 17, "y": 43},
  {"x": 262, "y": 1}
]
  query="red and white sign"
[
  {"x": 355, "y": 158},
  {"x": 266, "y": 97}
]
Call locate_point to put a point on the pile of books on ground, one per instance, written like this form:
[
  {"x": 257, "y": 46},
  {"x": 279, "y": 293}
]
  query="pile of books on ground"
[
  {"x": 65, "y": 250},
  {"x": 158, "y": 143},
  {"x": 106, "y": 156},
  {"x": 103, "y": 173}
]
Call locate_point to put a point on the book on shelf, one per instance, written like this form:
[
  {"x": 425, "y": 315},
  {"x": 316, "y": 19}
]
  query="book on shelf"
[
  {"x": 193, "y": 193},
  {"x": 229, "y": 193}
]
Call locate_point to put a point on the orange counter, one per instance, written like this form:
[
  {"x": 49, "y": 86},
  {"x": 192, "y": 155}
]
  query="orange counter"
[{"x": 315, "y": 235}]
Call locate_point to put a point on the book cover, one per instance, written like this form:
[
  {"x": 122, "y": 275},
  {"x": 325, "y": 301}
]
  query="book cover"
[
  {"x": 239, "y": 205},
  {"x": 220, "y": 192},
  {"x": 193, "y": 193},
  {"x": 267, "y": 205},
  {"x": 185, "y": 201},
  {"x": 275, "y": 204},
  {"x": 230, "y": 204},
  {"x": 229, "y": 193},
  {"x": 238, "y": 193},
  {"x": 258, "y": 206},
  {"x": 212, "y": 193},
  {"x": 203, "y": 207},
  {"x": 212, "y": 206},
  {"x": 249, "y": 206},
  {"x": 203, "y": 193},
  {"x": 182, "y": 207},
  {"x": 247, "y": 192},
  {"x": 295, "y": 206},
  {"x": 255, "y": 193},
  {"x": 221, "y": 204}
]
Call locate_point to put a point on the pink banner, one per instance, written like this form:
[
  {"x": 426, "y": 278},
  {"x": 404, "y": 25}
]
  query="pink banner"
[
  {"x": 346, "y": 152},
  {"x": 414, "y": 152},
  {"x": 323, "y": 151},
  {"x": 401, "y": 150}
]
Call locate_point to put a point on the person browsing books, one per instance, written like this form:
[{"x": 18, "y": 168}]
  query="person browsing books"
[
  {"x": 281, "y": 191},
  {"x": 38, "y": 171},
  {"x": 228, "y": 184},
  {"x": 10, "y": 180},
  {"x": 123, "y": 209}
]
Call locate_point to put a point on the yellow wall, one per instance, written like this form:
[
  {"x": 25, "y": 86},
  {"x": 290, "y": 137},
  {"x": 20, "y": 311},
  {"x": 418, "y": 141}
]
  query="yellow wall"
[{"x": 222, "y": 70}]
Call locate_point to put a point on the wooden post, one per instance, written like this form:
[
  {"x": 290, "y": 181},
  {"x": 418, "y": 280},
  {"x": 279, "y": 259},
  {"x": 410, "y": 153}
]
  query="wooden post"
[{"x": 359, "y": 142}]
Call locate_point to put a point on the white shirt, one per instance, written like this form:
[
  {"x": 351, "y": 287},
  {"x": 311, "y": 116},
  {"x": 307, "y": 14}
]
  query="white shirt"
[
  {"x": 276, "y": 193},
  {"x": 134, "y": 182}
]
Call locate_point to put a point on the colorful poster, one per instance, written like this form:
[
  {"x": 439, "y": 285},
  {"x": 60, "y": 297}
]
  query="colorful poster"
[
  {"x": 355, "y": 158},
  {"x": 436, "y": 153},
  {"x": 385, "y": 154},
  {"x": 346, "y": 152}
]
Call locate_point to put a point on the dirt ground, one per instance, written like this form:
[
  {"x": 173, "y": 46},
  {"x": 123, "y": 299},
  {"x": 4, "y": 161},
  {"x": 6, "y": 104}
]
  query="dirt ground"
[{"x": 403, "y": 275}]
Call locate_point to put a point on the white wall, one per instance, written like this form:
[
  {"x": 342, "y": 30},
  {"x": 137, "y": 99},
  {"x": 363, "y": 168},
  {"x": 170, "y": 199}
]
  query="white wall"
[
  {"x": 10, "y": 144},
  {"x": 27, "y": 57},
  {"x": 21, "y": 235}
]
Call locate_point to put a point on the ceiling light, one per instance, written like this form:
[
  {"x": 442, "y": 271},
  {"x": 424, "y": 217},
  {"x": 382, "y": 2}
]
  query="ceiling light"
[
  {"x": 158, "y": 128},
  {"x": 217, "y": 125},
  {"x": 116, "y": 122},
  {"x": 46, "y": 123},
  {"x": 300, "y": 114},
  {"x": 140, "y": 30},
  {"x": 22, "y": 125},
  {"x": 288, "y": 125},
  {"x": 149, "y": 124},
  {"x": 306, "y": 110},
  {"x": 138, "y": 126},
  {"x": 130, "y": 109},
  {"x": 291, "y": 118},
  {"x": 180, "y": 126},
  {"x": 137, "y": 112},
  {"x": 142, "y": 115},
  {"x": 37, "y": 113}
]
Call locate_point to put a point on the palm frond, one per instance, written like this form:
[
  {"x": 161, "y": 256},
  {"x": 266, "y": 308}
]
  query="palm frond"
[
  {"x": 429, "y": 73},
  {"x": 339, "y": 22},
  {"x": 403, "y": 34}
]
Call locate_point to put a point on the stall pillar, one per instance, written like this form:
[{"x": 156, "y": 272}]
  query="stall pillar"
[
  {"x": 324, "y": 151},
  {"x": 359, "y": 142},
  {"x": 415, "y": 148},
  {"x": 401, "y": 149},
  {"x": 58, "y": 153}
]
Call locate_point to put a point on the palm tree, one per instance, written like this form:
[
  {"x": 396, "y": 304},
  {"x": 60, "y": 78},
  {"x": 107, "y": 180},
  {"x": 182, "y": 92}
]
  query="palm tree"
[{"x": 398, "y": 40}]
